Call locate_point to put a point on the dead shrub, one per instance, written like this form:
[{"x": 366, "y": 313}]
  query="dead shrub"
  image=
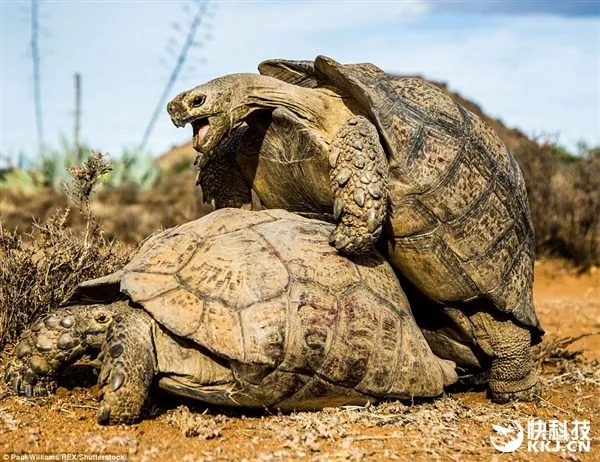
[
  {"x": 41, "y": 272},
  {"x": 564, "y": 196}
]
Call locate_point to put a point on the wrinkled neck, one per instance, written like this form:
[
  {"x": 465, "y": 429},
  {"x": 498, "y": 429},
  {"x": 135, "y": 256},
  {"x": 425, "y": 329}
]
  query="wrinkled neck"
[{"x": 310, "y": 104}]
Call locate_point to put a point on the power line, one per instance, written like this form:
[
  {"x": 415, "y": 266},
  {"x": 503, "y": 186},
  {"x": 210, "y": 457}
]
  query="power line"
[
  {"x": 37, "y": 93},
  {"x": 76, "y": 147}
]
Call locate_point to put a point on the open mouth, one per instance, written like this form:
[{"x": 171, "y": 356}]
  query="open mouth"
[{"x": 200, "y": 129}]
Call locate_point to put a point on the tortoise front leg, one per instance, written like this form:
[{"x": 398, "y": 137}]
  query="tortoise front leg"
[
  {"x": 128, "y": 367},
  {"x": 220, "y": 177},
  {"x": 359, "y": 182},
  {"x": 54, "y": 341}
]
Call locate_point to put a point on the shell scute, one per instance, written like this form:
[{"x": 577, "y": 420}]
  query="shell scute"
[
  {"x": 473, "y": 234},
  {"x": 145, "y": 286},
  {"x": 429, "y": 100},
  {"x": 379, "y": 277},
  {"x": 312, "y": 319},
  {"x": 460, "y": 190},
  {"x": 306, "y": 253},
  {"x": 264, "y": 327},
  {"x": 237, "y": 268},
  {"x": 354, "y": 340},
  {"x": 165, "y": 254},
  {"x": 220, "y": 331},
  {"x": 179, "y": 310}
]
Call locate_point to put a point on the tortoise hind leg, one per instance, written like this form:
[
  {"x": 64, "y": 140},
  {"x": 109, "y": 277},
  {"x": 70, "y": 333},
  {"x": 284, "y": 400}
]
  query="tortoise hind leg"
[
  {"x": 512, "y": 375},
  {"x": 359, "y": 182},
  {"x": 128, "y": 367}
]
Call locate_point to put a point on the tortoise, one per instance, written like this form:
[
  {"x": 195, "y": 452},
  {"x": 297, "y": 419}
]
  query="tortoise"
[
  {"x": 238, "y": 308},
  {"x": 390, "y": 156}
]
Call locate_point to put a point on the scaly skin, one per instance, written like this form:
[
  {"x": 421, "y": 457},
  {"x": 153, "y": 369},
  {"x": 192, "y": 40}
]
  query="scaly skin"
[
  {"x": 220, "y": 178},
  {"x": 53, "y": 341},
  {"x": 58, "y": 338},
  {"x": 359, "y": 181},
  {"x": 512, "y": 376},
  {"x": 128, "y": 365}
]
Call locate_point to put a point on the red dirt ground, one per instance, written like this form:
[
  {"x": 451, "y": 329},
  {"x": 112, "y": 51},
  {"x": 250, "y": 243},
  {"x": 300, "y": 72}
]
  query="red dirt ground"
[{"x": 456, "y": 427}]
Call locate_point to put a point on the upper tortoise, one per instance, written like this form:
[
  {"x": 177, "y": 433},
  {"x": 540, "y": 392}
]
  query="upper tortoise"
[
  {"x": 239, "y": 308},
  {"x": 378, "y": 153}
]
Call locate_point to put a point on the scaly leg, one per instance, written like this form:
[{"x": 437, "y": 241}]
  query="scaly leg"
[
  {"x": 359, "y": 182},
  {"x": 128, "y": 367},
  {"x": 512, "y": 376}
]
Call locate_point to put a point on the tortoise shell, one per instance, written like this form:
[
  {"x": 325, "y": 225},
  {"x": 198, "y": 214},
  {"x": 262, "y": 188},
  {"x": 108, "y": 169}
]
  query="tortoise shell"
[
  {"x": 459, "y": 226},
  {"x": 265, "y": 291}
]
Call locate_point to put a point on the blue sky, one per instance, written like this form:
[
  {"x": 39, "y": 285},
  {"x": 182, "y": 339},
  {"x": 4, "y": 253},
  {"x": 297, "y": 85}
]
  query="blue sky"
[{"x": 535, "y": 65}]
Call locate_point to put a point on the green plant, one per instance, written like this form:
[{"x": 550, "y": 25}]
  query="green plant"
[
  {"x": 55, "y": 162},
  {"x": 134, "y": 167}
]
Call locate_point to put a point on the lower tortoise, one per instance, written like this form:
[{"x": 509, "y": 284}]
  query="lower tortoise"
[{"x": 238, "y": 308}]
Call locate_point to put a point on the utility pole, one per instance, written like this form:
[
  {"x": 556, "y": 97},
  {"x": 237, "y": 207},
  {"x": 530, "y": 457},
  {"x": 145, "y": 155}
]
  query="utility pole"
[
  {"x": 37, "y": 94},
  {"x": 76, "y": 149},
  {"x": 189, "y": 42}
]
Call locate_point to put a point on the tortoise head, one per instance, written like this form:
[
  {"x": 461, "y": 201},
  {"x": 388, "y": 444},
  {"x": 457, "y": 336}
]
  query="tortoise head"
[
  {"x": 56, "y": 340},
  {"x": 216, "y": 107}
]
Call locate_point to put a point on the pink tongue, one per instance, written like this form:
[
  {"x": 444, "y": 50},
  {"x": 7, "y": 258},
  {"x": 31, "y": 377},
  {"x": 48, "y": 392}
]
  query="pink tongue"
[{"x": 202, "y": 132}]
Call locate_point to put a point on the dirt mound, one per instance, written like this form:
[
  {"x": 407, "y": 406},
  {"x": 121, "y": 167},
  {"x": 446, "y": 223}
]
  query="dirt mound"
[{"x": 176, "y": 156}]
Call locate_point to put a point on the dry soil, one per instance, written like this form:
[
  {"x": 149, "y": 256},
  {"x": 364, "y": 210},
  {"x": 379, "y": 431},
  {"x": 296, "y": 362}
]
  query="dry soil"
[{"x": 455, "y": 427}]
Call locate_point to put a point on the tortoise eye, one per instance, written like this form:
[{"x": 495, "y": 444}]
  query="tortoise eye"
[
  {"x": 102, "y": 318},
  {"x": 198, "y": 101}
]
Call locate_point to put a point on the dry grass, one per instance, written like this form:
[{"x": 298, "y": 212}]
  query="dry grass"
[
  {"x": 563, "y": 191},
  {"x": 434, "y": 429},
  {"x": 564, "y": 195},
  {"x": 128, "y": 214},
  {"x": 41, "y": 272}
]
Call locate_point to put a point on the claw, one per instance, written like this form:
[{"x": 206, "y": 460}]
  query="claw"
[
  {"x": 338, "y": 208},
  {"x": 40, "y": 392},
  {"x": 343, "y": 242},
  {"x": 372, "y": 221},
  {"x": 7, "y": 375},
  {"x": 104, "y": 376},
  {"x": 332, "y": 237},
  {"x": 116, "y": 380},
  {"x": 96, "y": 364},
  {"x": 103, "y": 414},
  {"x": 16, "y": 385},
  {"x": 28, "y": 390}
]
